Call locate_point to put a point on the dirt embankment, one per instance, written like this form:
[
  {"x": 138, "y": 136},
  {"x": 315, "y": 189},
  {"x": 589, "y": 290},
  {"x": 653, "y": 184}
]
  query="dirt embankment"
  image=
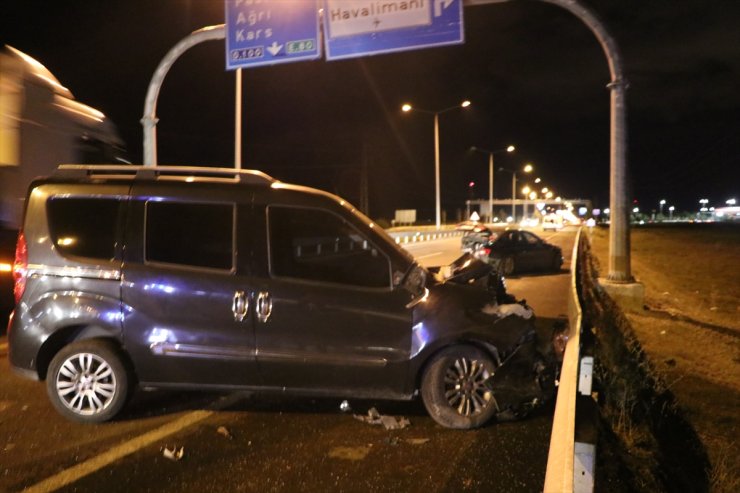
[{"x": 669, "y": 374}]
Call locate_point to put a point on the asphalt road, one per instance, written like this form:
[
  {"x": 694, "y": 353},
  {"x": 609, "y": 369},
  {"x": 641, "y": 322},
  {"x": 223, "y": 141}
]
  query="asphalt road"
[{"x": 245, "y": 442}]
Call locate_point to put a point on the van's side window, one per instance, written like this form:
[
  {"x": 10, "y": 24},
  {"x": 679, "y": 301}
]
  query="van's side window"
[
  {"x": 318, "y": 245},
  {"x": 194, "y": 234},
  {"x": 85, "y": 227}
]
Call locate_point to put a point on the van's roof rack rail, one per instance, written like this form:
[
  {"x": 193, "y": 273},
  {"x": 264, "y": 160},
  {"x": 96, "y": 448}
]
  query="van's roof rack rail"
[{"x": 153, "y": 172}]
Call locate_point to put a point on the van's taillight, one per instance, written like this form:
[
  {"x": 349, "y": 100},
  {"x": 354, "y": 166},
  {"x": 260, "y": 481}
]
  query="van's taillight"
[{"x": 20, "y": 267}]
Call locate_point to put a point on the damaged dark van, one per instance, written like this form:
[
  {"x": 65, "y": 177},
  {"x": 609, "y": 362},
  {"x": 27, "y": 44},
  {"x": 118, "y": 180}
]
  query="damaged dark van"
[{"x": 218, "y": 279}]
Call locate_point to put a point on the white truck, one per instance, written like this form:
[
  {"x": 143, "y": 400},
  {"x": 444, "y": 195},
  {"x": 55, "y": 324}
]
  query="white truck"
[{"x": 41, "y": 126}]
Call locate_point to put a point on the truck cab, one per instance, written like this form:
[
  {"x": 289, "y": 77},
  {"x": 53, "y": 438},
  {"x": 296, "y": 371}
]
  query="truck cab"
[{"x": 41, "y": 125}]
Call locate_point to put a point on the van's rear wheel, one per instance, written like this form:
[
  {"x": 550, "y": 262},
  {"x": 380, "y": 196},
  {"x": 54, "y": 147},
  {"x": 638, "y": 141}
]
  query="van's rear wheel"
[
  {"x": 455, "y": 388},
  {"x": 88, "y": 382}
]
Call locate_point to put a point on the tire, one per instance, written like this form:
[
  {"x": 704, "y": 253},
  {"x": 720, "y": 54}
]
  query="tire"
[
  {"x": 455, "y": 390},
  {"x": 507, "y": 266},
  {"x": 88, "y": 382}
]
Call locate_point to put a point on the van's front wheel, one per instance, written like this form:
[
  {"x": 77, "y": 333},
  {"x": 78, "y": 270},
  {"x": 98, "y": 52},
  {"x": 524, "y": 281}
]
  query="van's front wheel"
[
  {"x": 455, "y": 388},
  {"x": 88, "y": 382}
]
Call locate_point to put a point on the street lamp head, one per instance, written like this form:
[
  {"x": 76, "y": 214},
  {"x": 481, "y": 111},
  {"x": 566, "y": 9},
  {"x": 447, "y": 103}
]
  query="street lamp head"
[
  {"x": 545, "y": 190},
  {"x": 511, "y": 148},
  {"x": 537, "y": 180},
  {"x": 528, "y": 168},
  {"x": 465, "y": 103},
  {"x": 662, "y": 202},
  {"x": 526, "y": 190},
  {"x": 532, "y": 195},
  {"x": 406, "y": 108}
]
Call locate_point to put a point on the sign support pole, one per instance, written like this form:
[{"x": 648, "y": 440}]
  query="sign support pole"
[
  {"x": 149, "y": 120},
  {"x": 619, "y": 232},
  {"x": 238, "y": 121}
]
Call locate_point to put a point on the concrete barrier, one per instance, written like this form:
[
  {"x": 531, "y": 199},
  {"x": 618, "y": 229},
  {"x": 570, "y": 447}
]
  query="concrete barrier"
[{"x": 404, "y": 238}]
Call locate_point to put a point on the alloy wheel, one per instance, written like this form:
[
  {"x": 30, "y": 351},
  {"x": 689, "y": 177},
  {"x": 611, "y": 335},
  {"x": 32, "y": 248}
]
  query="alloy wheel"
[
  {"x": 86, "y": 384},
  {"x": 466, "y": 387}
]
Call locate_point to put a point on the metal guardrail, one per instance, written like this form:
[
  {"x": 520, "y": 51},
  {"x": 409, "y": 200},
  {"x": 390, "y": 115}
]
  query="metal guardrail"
[{"x": 570, "y": 464}]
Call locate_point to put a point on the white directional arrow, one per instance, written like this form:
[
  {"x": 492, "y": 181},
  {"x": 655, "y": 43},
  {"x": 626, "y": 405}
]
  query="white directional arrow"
[
  {"x": 274, "y": 48},
  {"x": 439, "y": 5}
]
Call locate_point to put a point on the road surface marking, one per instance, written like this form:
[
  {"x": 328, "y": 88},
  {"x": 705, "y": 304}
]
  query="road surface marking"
[
  {"x": 547, "y": 238},
  {"x": 94, "y": 464},
  {"x": 428, "y": 255}
]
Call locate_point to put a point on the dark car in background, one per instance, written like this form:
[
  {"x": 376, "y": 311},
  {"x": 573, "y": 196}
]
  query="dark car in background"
[
  {"x": 521, "y": 251},
  {"x": 475, "y": 236}
]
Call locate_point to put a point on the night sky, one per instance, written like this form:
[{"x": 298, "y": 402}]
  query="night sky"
[{"x": 535, "y": 74}]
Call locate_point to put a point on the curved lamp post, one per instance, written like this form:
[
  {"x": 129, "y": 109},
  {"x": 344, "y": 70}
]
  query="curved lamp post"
[{"x": 407, "y": 108}]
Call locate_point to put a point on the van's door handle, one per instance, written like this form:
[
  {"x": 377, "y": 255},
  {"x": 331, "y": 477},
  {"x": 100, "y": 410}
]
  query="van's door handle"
[
  {"x": 264, "y": 306},
  {"x": 240, "y": 306}
]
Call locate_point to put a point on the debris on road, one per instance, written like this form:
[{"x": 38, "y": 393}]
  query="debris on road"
[
  {"x": 173, "y": 454},
  {"x": 373, "y": 417},
  {"x": 417, "y": 441},
  {"x": 222, "y": 430}
]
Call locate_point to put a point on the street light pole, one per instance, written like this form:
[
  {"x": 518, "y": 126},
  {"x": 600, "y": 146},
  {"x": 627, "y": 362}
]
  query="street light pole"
[
  {"x": 525, "y": 192},
  {"x": 490, "y": 187},
  {"x": 510, "y": 148},
  {"x": 527, "y": 169},
  {"x": 513, "y": 196},
  {"x": 437, "y": 186}
]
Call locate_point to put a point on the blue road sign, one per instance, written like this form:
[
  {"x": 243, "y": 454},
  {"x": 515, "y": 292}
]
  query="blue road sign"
[
  {"x": 265, "y": 32},
  {"x": 354, "y": 28}
]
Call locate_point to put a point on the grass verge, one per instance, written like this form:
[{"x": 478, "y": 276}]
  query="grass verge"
[{"x": 674, "y": 365}]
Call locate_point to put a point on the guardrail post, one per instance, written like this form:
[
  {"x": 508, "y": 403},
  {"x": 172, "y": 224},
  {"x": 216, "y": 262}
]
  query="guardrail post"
[
  {"x": 585, "y": 375},
  {"x": 583, "y": 467}
]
